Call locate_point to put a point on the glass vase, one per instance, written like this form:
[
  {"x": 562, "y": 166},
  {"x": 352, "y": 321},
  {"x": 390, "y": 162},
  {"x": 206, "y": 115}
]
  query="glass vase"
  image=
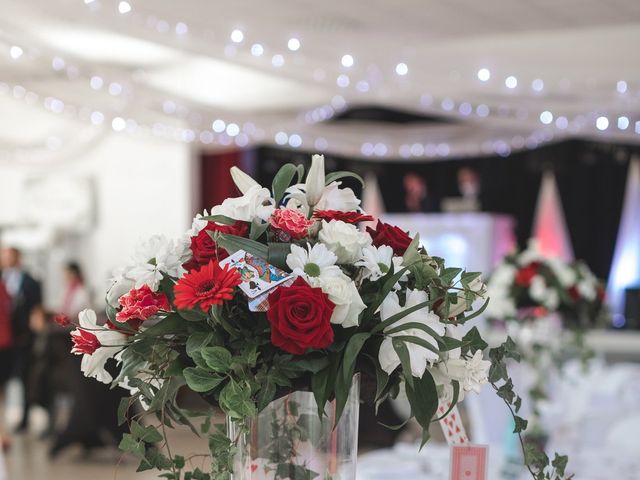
[{"x": 289, "y": 441}]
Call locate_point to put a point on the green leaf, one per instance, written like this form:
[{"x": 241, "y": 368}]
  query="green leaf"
[
  {"x": 423, "y": 398},
  {"x": 200, "y": 380},
  {"x": 217, "y": 359},
  {"x": 473, "y": 341},
  {"x": 235, "y": 400},
  {"x": 123, "y": 409},
  {"x": 418, "y": 341},
  {"x": 418, "y": 326},
  {"x": 277, "y": 254},
  {"x": 448, "y": 274},
  {"x": 300, "y": 172},
  {"x": 221, "y": 219},
  {"x": 456, "y": 394},
  {"x": 400, "y": 315},
  {"x": 153, "y": 458},
  {"x": 403, "y": 354},
  {"x": 560, "y": 463},
  {"x": 192, "y": 315},
  {"x": 266, "y": 393},
  {"x": 520, "y": 424},
  {"x": 233, "y": 243},
  {"x": 197, "y": 341},
  {"x": 294, "y": 472},
  {"x": 258, "y": 227},
  {"x": 171, "y": 324},
  {"x": 463, "y": 319},
  {"x": 333, "y": 176},
  {"x": 130, "y": 445},
  {"x": 351, "y": 355},
  {"x": 282, "y": 180}
]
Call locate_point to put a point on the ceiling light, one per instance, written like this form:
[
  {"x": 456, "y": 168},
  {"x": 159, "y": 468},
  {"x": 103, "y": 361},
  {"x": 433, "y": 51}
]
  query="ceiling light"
[
  {"x": 257, "y": 50},
  {"x": 602, "y": 123},
  {"x": 277, "y": 60},
  {"x": 218, "y": 126},
  {"x": 482, "y": 110},
  {"x": 402, "y": 69},
  {"x": 281, "y": 138},
  {"x": 484, "y": 74},
  {"x": 511, "y": 82},
  {"x": 97, "y": 118},
  {"x": 293, "y": 44},
  {"x": 343, "y": 80},
  {"x": 57, "y": 64},
  {"x": 124, "y": 7},
  {"x": 546, "y": 117},
  {"x": 233, "y": 129},
  {"x": 623, "y": 123},
  {"x": 96, "y": 82},
  {"x": 15, "y": 52},
  {"x": 562, "y": 123},
  {"x": 181, "y": 28},
  {"x": 295, "y": 140},
  {"x": 347, "y": 61},
  {"x": 537, "y": 85},
  {"x": 118, "y": 124},
  {"x": 621, "y": 86},
  {"x": 237, "y": 36}
]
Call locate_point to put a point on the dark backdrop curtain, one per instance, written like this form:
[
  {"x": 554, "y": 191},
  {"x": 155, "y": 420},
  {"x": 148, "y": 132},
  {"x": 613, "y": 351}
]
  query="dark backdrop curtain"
[{"x": 591, "y": 179}]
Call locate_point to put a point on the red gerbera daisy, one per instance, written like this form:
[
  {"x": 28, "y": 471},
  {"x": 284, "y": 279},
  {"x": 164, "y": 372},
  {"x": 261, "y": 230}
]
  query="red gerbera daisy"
[{"x": 210, "y": 285}]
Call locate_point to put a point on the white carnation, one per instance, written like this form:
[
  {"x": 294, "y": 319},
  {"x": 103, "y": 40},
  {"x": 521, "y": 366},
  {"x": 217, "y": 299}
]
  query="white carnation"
[
  {"x": 343, "y": 239},
  {"x": 346, "y": 298}
]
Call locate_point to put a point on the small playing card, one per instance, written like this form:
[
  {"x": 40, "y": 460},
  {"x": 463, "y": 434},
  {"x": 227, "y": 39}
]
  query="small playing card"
[
  {"x": 452, "y": 427},
  {"x": 261, "y": 302},
  {"x": 469, "y": 462},
  {"x": 258, "y": 276}
]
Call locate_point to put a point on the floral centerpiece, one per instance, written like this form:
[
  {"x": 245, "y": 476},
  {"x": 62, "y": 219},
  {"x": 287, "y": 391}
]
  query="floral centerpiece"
[
  {"x": 276, "y": 293},
  {"x": 546, "y": 305}
]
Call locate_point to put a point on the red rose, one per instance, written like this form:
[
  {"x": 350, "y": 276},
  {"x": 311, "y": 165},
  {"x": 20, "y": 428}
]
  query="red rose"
[
  {"x": 205, "y": 249},
  {"x": 346, "y": 217},
  {"x": 140, "y": 304},
  {"x": 574, "y": 293},
  {"x": 300, "y": 318},
  {"x": 390, "y": 235},
  {"x": 526, "y": 274},
  {"x": 293, "y": 223},
  {"x": 62, "y": 320}
]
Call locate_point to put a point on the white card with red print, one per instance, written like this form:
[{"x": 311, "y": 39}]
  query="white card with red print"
[
  {"x": 452, "y": 426},
  {"x": 258, "y": 276},
  {"x": 261, "y": 302},
  {"x": 469, "y": 462}
]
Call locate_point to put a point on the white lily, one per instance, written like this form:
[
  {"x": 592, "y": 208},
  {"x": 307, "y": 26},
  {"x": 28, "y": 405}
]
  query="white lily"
[
  {"x": 314, "y": 185},
  {"x": 243, "y": 181}
]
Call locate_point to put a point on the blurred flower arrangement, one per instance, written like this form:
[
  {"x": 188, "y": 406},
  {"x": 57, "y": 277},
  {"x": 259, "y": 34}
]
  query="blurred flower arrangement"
[
  {"x": 278, "y": 291},
  {"x": 546, "y": 305}
]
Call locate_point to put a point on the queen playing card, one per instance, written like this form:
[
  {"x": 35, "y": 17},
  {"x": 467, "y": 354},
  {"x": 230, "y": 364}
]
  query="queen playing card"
[{"x": 258, "y": 276}]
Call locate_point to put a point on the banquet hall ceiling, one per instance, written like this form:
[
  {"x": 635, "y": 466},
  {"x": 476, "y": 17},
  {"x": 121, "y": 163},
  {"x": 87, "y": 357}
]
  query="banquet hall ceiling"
[{"x": 513, "y": 74}]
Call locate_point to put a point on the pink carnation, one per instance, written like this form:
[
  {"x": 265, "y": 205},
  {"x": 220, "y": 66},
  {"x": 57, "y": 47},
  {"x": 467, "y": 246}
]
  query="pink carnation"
[
  {"x": 291, "y": 222},
  {"x": 140, "y": 304}
]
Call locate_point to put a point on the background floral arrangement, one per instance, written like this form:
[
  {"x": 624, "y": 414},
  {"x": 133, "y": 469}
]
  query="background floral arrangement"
[
  {"x": 372, "y": 302},
  {"x": 527, "y": 285}
]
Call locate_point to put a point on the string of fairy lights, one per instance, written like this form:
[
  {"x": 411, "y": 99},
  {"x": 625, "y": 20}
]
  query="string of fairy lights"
[{"x": 205, "y": 128}]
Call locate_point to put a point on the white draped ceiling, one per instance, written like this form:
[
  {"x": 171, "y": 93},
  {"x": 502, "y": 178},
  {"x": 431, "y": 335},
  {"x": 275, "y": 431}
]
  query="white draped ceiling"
[{"x": 511, "y": 74}]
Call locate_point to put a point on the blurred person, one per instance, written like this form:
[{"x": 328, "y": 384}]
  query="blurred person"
[
  {"x": 53, "y": 362},
  {"x": 469, "y": 184},
  {"x": 417, "y": 198},
  {"x": 26, "y": 296},
  {"x": 6, "y": 342}
]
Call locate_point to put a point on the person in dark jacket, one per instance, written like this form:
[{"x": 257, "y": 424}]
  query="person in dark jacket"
[{"x": 26, "y": 295}]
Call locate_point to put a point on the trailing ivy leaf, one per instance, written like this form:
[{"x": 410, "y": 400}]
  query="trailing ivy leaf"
[
  {"x": 201, "y": 380},
  {"x": 560, "y": 464},
  {"x": 511, "y": 349},
  {"x": 123, "y": 409},
  {"x": 294, "y": 472},
  {"x": 218, "y": 359},
  {"x": 520, "y": 424},
  {"x": 473, "y": 341},
  {"x": 153, "y": 458},
  {"x": 235, "y": 400},
  {"x": 282, "y": 180},
  {"x": 147, "y": 434},
  {"x": 333, "y": 176},
  {"x": 448, "y": 274},
  {"x": 130, "y": 445},
  {"x": 266, "y": 393},
  {"x": 506, "y": 392},
  {"x": 447, "y": 344}
]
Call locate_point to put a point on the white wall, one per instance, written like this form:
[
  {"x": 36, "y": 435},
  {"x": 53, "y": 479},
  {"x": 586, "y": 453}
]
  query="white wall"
[{"x": 142, "y": 186}]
